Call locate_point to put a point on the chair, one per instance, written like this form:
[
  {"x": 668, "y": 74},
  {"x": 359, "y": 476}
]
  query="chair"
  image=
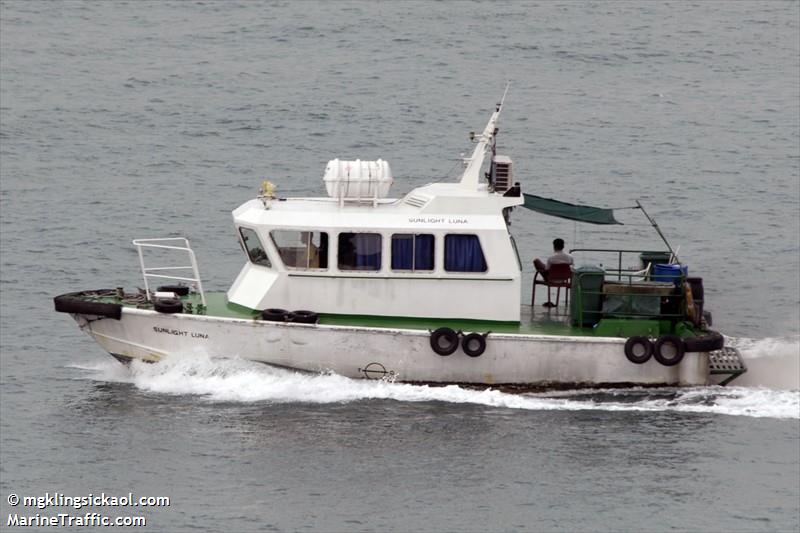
[{"x": 559, "y": 276}]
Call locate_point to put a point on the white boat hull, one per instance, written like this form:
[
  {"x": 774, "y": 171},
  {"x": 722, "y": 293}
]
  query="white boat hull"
[{"x": 399, "y": 354}]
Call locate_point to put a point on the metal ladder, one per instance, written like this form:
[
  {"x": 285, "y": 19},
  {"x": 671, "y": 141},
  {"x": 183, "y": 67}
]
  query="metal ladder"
[{"x": 161, "y": 271}]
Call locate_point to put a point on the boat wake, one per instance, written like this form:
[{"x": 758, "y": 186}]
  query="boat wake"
[
  {"x": 772, "y": 362},
  {"x": 233, "y": 380}
]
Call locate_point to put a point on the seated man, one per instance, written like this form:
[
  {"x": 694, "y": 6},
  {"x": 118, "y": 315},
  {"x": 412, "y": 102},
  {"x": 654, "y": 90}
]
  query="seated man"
[{"x": 559, "y": 257}]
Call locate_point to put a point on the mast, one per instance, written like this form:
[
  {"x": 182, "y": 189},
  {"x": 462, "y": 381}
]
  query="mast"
[{"x": 471, "y": 177}]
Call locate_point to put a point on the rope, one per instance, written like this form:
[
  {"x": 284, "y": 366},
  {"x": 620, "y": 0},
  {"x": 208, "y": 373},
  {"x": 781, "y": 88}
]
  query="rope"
[{"x": 134, "y": 299}]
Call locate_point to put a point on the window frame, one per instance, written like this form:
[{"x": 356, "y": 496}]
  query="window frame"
[
  {"x": 243, "y": 241},
  {"x": 355, "y": 268},
  {"x": 480, "y": 246},
  {"x": 516, "y": 251},
  {"x": 413, "y": 268},
  {"x": 324, "y": 246}
]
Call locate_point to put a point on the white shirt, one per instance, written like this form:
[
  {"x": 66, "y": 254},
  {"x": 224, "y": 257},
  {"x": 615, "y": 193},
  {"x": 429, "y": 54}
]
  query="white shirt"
[{"x": 559, "y": 258}]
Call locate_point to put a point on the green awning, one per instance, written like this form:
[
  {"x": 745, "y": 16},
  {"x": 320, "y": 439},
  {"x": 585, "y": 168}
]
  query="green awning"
[{"x": 581, "y": 213}]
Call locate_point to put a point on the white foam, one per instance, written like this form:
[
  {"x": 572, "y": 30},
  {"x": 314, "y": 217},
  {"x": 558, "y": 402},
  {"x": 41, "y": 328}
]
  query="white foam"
[
  {"x": 767, "y": 347},
  {"x": 773, "y": 362},
  {"x": 232, "y": 380}
]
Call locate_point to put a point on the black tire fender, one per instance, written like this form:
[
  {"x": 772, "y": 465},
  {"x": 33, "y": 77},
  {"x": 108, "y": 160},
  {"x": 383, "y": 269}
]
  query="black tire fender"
[
  {"x": 638, "y": 349},
  {"x": 168, "y": 305},
  {"x": 180, "y": 290},
  {"x": 444, "y": 341},
  {"x": 707, "y": 343},
  {"x": 302, "y": 317},
  {"x": 474, "y": 344},
  {"x": 274, "y": 315},
  {"x": 669, "y": 350},
  {"x": 72, "y": 303}
]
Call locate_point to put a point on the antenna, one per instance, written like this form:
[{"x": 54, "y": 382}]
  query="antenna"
[
  {"x": 471, "y": 176},
  {"x": 503, "y": 99}
]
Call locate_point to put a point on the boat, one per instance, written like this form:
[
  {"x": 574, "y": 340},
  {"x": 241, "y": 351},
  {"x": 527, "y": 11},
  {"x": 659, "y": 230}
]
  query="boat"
[{"x": 424, "y": 288}]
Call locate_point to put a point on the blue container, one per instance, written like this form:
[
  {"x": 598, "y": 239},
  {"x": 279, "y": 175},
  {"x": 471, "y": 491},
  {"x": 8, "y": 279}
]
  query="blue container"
[{"x": 672, "y": 273}]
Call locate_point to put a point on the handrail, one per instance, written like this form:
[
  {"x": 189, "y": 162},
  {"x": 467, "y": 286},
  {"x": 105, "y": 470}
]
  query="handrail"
[
  {"x": 619, "y": 253},
  {"x": 618, "y": 250},
  {"x": 149, "y": 272}
]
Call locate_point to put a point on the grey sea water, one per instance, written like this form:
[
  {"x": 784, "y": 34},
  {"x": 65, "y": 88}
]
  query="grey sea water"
[{"x": 122, "y": 120}]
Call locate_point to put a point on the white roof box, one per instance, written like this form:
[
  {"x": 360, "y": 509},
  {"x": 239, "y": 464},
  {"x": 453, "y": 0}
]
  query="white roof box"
[{"x": 358, "y": 179}]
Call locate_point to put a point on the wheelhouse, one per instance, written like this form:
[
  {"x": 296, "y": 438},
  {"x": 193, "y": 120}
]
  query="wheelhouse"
[{"x": 389, "y": 258}]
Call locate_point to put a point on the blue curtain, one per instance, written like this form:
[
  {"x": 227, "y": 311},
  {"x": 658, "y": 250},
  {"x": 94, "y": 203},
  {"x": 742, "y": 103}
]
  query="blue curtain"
[
  {"x": 402, "y": 252},
  {"x": 406, "y": 257},
  {"x": 462, "y": 253},
  {"x": 423, "y": 248}
]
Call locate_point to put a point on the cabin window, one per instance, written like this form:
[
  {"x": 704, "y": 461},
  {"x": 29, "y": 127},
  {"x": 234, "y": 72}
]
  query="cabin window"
[
  {"x": 412, "y": 251},
  {"x": 359, "y": 251},
  {"x": 254, "y": 248},
  {"x": 301, "y": 249},
  {"x": 463, "y": 253}
]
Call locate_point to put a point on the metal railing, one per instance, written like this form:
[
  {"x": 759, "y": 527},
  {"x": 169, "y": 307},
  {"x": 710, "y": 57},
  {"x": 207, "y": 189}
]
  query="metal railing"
[
  {"x": 161, "y": 271},
  {"x": 620, "y": 272}
]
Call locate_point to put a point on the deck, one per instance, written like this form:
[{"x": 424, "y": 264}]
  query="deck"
[{"x": 534, "y": 321}]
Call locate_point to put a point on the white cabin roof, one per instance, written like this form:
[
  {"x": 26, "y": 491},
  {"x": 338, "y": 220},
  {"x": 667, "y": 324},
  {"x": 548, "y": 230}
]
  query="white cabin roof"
[{"x": 429, "y": 206}]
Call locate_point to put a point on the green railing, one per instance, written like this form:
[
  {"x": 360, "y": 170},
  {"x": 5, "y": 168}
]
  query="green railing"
[{"x": 626, "y": 293}]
